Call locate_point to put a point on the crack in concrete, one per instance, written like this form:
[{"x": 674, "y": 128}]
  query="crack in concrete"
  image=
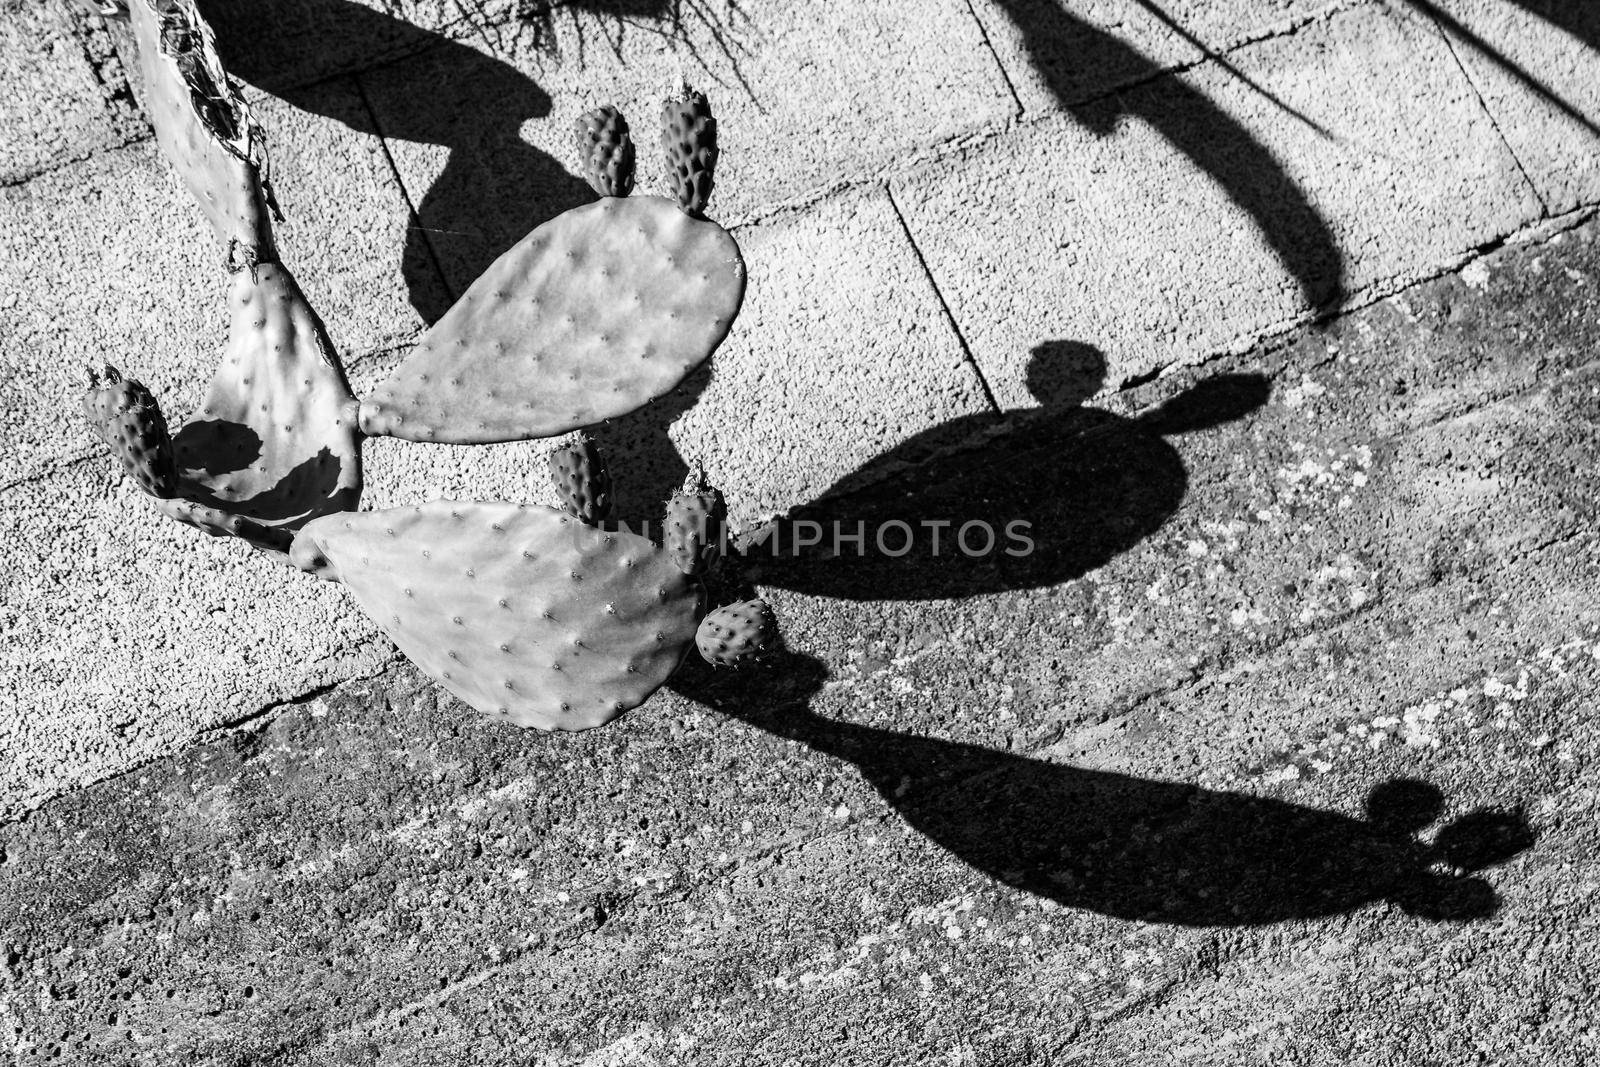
[
  {"x": 405, "y": 193},
  {"x": 1431, "y": 15}
]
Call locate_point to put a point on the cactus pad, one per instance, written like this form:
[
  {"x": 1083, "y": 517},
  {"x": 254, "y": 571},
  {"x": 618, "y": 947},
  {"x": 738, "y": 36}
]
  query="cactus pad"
[
  {"x": 276, "y": 439},
  {"x": 736, "y": 634},
  {"x": 582, "y": 481},
  {"x": 204, "y": 125},
  {"x": 689, "y": 139},
  {"x": 696, "y": 526},
  {"x": 595, "y": 313},
  {"x": 126, "y": 416},
  {"x": 607, "y": 151},
  {"x": 520, "y": 610}
]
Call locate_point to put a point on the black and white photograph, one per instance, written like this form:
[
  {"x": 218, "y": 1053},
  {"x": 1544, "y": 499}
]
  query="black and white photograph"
[{"x": 800, "y": 533}]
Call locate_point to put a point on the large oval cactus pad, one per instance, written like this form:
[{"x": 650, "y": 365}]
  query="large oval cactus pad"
[
  {"x": 520, "y": 610},
  {"x": 202, "y": 123},
  {"x": 595, "y": 313},
  {"x": 276, "y": 440}
]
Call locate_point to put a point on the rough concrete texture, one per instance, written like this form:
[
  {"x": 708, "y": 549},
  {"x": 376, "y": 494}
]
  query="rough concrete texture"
[
  {"x": 62, "y": 96},
  {"x": 1276, "y": 748},
  {"x": 1218, "y": 216},
  {"x": 1535, "y": 63}
]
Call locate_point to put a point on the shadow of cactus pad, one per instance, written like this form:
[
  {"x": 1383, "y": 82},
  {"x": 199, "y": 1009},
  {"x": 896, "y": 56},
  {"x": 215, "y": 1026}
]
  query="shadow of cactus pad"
[
  {"x": 276, "y": 439},
  {"x": 597, "y": 312},
  {"x": 202, "y": 123},
  {"x": 522, "y": 611}
]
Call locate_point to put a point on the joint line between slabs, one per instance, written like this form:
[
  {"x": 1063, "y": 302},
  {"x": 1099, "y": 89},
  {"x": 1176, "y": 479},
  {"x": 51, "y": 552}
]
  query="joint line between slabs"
[
  {"x": 944, "y": 305},
  {"x": 399, "y": 180}
]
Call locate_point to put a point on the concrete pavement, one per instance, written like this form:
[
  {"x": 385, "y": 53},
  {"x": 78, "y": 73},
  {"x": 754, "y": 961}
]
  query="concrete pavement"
[{"x": 1360, "y": 555}]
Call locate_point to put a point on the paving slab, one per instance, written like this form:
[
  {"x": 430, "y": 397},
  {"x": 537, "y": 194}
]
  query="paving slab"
[
  {"x": 1516, "y": 989},
  {"x": 128, "y": 636},
  {"x": 108, "y": 260},
  {"x": 1057, "y": 53},
  {"x": 61, "y": 95},
  {"x": 1537, "y": 64},
  {"x": 482, "y": 135},
  {"x": 1191, "y": 216}
]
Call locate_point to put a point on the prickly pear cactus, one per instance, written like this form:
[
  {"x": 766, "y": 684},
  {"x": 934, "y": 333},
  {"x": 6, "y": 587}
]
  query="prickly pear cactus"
[
  {"x": 551, "y": 620},
  {"x": 126, "y": 416},
  {"x": 737, "y": 634},
  {"x": 689, "y": 139},
  {"x": 696, "y": 526},
  {"x": 204, "y": 126},
  {"x": 607, "y": 151},
  {"x": 582, "y": 481},
  {"x": 220, "y": 523},
  {"x": 277, "y": 438},
  {"x": 521, "y": 611},
  {"x": 595, "y": 313}
]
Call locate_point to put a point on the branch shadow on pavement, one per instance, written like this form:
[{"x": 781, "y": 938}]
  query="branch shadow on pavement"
[
  {"x": 1139, "y": 848},
  {"x": 1078, "y": 60},
  {"x": 1579, "y": 18}
]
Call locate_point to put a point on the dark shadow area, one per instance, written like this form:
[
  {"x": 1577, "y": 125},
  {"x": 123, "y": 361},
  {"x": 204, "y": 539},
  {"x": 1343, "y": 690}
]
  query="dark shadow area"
[
  {"x": 1138, "y": 848},
  {"x": 1080, "y": 61},
  {"x": 213, "y": 446},
  {"x": 1055, "y": 492},
  {"x": 494, "y": 187},
  {"x": 309, "y": 489},
  {"x": 646, "y": 468},
  {"x": 1580, "y": 18}
]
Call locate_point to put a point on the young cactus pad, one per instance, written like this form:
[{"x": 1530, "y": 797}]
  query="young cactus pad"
[
  {"x": 203, "y": 124},
  {"x": 736, "y": 634},
  {"x": 696, "y": 526},
  {"x": 276, "y": 440},
  {"x": 689, "y": 139},
  {"x": 607, "y": 151},
  {"x": 220, "y": 523},
  {"x": 595, "y": 313},
  {"x": 126, "y": 416},
  {"x": 582, "y": 481},
  {"x": 522, "y": 611}
]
